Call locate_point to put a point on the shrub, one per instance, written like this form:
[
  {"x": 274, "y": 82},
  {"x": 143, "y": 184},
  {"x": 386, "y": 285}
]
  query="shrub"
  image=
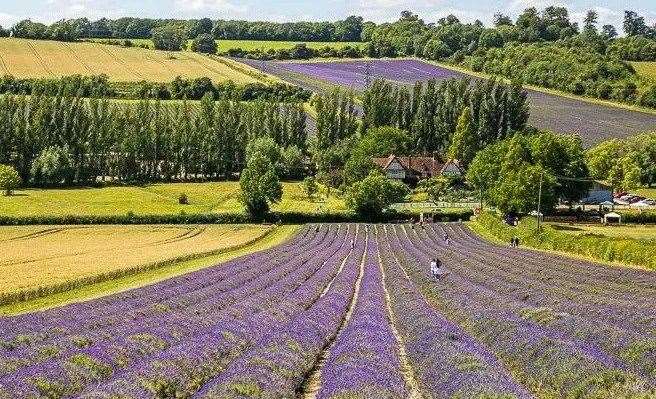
[{"x": 9, "y": 179}]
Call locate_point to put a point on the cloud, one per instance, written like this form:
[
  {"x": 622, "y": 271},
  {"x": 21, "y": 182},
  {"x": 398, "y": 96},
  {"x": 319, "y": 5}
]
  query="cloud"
[
  {"x": 7, "y": 20},
  {"x": 92, "y": 9},
  {"x": 221, "y": 6}
]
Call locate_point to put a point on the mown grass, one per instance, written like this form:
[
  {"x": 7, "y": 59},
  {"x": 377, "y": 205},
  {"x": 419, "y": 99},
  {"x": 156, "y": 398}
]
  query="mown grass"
[
  {"x": 647, "y": 192},
  {"x": 25, "y": 58},
  {"x": 154, "y": 199},
  {"x": 35, "y": 258},
  {"x": 85, "y": 292},
  {"x": 620, "y": 251},
  {"x": 637, "y": 232},
  {"x": 249, "y": 45}
]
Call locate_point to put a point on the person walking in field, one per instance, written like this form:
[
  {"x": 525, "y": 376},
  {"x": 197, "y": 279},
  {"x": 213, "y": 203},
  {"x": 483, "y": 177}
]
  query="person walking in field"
[
  {"x": 436, "y": 269},
  {"x": 446, "y": 238}
]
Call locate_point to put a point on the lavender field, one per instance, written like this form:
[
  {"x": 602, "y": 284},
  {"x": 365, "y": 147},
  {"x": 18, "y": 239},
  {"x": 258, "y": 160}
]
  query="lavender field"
[
  {"x": 593, "y": 122},
  {"x": 350, "y": 311}
]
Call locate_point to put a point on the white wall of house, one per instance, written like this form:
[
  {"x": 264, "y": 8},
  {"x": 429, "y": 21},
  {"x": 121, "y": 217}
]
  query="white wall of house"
[
  {"x": 395, "y": 171},
  {"x": 452, "y": 170}
]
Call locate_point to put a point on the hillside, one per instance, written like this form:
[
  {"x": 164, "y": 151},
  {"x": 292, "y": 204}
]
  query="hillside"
[{"x": 24, "y": 58}]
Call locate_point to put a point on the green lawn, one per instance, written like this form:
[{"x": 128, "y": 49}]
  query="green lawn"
[
  {"x": 155, "y": 199},
  {"x": 647, "y": 192},
  {"x": 225, "y": 45},
  {"x": 638, "y": 232}
]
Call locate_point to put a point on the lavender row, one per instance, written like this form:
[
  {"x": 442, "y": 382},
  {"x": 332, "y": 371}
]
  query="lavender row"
[
  {"x": 276, "y": 367},
  {"x": 35, "y": 327},
  {"x": 178, "y": 370},
  {"x": 365, "y": 358},
  {"x": 448, "y": 362},
  {"x": 180, "y": 321},
  {"x": 546, "y": 362},
  {"x": 69, "y": 374}
]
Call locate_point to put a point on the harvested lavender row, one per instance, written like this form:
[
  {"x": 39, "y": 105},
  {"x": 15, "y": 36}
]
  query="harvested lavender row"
[
  {"x": 177, "y": 369},
  {"x": 448, "y": 362},
  {"x": 556, "y": 364},
  {"x": 64, "y": 376},
  {"x": 276, "y": 367},
  {"x": 365, "y": 358}
]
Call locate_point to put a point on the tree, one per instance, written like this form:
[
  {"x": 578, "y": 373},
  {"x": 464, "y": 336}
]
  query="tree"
[
  {"x": 9, "y": 179},
  {"x": 435, "y": 187},
  {"x": 53, "y": 166},
  {"x": 169, "y": 38},
  {"x": 292, "y": 162},
  {"x": 634, "y": 25},
  {"x": 310, "y": 187},
  {"x": 259, "y": 185},
  {"x": 609, "y": 31},
  {"x": 465, "y": 143},
  {"x": 590, "y": 23},
  {"x": 371, "y": 196},
  {"x": 490, "y": 38},
  {"x": 502, "y": 20},
  {"x": 204, "y": 43}
]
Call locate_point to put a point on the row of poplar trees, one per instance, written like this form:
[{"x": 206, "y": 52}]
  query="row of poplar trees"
[
  {"x": 430, "y": 112},
  {"x": 71, "y": 140}
]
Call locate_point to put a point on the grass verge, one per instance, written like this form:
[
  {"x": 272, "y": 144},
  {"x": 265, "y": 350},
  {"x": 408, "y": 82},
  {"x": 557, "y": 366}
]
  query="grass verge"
[
  {"x": 613, "y": 251},
  {"x": 139, "y": 278}
]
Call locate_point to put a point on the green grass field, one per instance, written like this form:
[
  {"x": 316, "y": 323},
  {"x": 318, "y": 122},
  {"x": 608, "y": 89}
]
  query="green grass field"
[
  {"x": 638, "y": 232},
  {"x": 155, "y": 199},
  {"x": 249, "y": 45},
  {"x": 645, "y": 69},
  {"x": 25, "y": 58}
]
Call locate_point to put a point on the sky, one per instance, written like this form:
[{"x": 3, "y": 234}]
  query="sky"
[{"x": 11, "y": 11}]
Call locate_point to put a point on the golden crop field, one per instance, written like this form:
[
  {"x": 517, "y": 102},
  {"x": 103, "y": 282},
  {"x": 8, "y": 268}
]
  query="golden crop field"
[
  {"x": 25, "y": 58},
  {"x": 48, "y": 256}
]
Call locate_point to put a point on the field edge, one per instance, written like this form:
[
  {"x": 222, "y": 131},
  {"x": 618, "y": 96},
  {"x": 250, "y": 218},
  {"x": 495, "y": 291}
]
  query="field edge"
[{"x": 140, "y": 276}]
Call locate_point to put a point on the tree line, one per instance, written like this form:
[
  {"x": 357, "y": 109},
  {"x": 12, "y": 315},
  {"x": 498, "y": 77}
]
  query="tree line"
[
  {"x": 179, "y": 89},
  {"x": 349, "y": 29},
  {"x": 71, "y": 140}
]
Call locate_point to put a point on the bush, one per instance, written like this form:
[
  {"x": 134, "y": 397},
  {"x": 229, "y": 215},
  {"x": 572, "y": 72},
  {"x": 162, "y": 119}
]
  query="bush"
[{"x": 9, "y": 179}]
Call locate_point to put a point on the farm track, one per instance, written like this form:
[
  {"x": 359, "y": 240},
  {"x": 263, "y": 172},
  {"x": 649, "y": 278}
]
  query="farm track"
[{"x": 289, "y": 321}]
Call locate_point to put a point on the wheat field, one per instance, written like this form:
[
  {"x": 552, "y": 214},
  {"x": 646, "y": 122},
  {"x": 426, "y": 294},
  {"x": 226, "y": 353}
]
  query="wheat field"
[
  {"x": 23, "y": 58},
  {"x": 43, "y": 256}
]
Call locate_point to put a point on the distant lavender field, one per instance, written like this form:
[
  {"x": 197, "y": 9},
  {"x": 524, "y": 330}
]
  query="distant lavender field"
[
  {"x": 354, "y": 73},
  {"x": 593, "y": 122}
]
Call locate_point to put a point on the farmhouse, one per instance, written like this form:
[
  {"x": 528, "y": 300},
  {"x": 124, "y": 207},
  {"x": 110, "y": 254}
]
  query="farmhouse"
[{"x": 412, "y": 169}]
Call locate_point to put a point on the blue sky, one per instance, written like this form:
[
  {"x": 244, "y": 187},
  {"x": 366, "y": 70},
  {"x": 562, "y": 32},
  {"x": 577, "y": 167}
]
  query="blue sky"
[{"x": 610, "y": 11}]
